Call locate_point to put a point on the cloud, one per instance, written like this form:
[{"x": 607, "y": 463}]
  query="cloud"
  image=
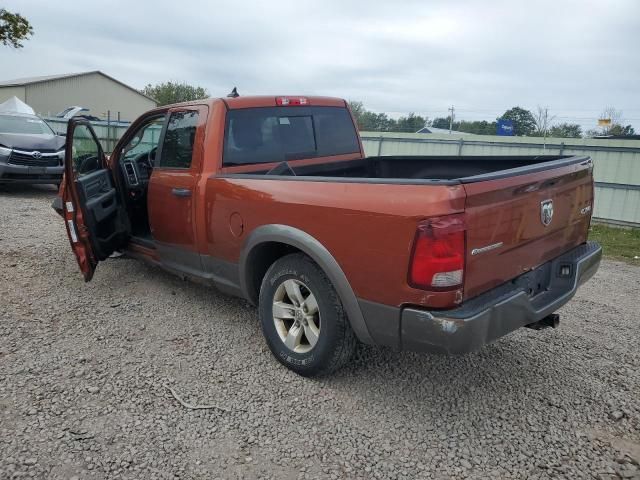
[{"x": 484, "y": 57}]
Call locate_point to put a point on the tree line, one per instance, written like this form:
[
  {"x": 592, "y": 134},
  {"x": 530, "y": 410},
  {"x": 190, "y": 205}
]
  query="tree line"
[{"x": 525, "y": 123}]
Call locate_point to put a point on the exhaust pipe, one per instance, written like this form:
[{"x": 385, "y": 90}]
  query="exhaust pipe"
[{"x": 550, "y": 321}]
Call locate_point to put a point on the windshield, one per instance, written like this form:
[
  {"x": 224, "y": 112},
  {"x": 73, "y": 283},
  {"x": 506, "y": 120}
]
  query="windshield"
[
  {"x": 145, "y": 140},
  {"x": 26, "y": 125}
]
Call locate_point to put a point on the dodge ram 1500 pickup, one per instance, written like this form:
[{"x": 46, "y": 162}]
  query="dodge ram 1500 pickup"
[{"x": 273, "y": 199}]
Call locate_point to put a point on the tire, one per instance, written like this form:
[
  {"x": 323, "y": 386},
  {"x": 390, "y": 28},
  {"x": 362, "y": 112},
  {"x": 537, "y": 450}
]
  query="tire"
[{"x": 309, "y": 341}]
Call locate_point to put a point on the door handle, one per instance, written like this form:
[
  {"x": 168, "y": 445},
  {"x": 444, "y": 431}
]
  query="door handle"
[{"x": 181, "y": 192}]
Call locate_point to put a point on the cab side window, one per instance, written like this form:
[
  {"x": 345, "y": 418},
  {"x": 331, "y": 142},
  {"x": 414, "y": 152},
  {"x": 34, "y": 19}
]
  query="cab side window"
[
  {"x": 85, "y": 153},
  {"x": 177, "y": 147}
]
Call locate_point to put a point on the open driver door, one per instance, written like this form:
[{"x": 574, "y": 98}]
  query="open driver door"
[{"x": 96, "y": 221}]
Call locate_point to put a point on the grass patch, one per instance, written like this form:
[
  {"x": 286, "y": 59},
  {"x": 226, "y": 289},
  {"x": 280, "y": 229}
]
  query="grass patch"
[{"x": 620, "y": 243}]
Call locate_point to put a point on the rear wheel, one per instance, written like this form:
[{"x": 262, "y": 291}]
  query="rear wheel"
[{"x": 302, "y": 318}]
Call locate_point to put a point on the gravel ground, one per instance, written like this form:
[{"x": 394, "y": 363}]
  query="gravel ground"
[{"x": 83, "y": 369}]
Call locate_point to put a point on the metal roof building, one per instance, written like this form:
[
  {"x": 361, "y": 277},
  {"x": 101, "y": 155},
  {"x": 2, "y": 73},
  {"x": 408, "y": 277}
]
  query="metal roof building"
[
  {"x": 94, "y": 90},
  {"x": 441, "y": 131}
]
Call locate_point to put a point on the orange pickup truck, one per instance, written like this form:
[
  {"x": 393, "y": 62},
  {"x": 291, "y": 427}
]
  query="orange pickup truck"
[{"x": 273, "y": 199}]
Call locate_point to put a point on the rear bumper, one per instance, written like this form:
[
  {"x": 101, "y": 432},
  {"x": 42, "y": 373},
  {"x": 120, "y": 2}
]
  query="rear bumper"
[
  {"x": 491, "y": 315},
  {"x": 23, "y": 174}
]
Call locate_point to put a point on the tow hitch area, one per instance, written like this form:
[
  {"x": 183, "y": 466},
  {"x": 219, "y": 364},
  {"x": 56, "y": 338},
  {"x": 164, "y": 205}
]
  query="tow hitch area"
[{"x": 550, "y": 321}]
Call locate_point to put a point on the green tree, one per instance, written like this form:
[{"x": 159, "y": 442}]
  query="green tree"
[
  {"x": 14, "y": 29},
  {"x": 357, "y": 109},
  {"x": 458, "y": 126},
  {"x": 369, "y": 121},
  {"x": 441, "y": 122},
  {"x": 543, "y": 121},
  {"x": 566, "y": 130},
  {"x": 375, "y": 122},
  {"x": 174, "y": 92},
  {"x": 411, "y": 123},
  {"x": 622, "y": 130},
  {"x": 478, "y": 127},
  {"x": 524, "y": 123},
  {"x": 616, "y": 124}
]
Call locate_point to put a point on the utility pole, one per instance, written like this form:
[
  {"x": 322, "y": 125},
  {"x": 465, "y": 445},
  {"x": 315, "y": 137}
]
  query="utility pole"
[{"x": 452, "y": 110}]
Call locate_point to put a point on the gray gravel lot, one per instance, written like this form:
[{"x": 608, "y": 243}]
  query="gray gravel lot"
[{"x": 83, "y": 369}]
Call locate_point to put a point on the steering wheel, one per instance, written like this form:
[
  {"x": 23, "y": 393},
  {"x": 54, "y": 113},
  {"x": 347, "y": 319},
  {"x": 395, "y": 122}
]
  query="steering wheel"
[
  {"x": 146, "y": 160},
  {"x": 151, "y": 157},
  {"x": 88, "y": 163}
]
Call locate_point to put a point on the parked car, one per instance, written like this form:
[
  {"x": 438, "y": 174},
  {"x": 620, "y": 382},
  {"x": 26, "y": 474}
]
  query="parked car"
[
  {"x": 30, "y": 151},
  {"x": 273, "y": 199}
]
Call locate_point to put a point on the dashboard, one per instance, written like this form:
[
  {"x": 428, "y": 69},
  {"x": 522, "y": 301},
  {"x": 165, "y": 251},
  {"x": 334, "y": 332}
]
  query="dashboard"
[{"x": 137, "y": 171}]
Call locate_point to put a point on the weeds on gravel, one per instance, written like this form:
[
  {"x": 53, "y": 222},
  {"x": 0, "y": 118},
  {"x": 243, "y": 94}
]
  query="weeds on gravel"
[
  {"x": 190, "y": 406},
  {"x": 620, "y": 243}
]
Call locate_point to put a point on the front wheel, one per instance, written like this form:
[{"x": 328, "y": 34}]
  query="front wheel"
[{"x": 302, "y": 318}]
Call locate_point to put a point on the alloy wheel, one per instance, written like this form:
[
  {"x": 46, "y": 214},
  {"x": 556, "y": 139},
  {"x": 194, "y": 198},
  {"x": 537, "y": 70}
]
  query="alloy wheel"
[{"x": 296, "y": 316}]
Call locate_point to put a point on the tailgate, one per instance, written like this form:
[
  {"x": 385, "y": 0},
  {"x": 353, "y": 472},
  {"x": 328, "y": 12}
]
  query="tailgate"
[{"x": 517, "y": 222}]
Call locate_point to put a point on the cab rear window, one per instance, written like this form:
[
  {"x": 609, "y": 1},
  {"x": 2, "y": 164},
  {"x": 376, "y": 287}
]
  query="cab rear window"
[{"x": 276, "y": 134}]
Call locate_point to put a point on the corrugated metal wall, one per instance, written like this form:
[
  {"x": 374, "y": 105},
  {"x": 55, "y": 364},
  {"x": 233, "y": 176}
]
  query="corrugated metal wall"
[
  {"x": 7, "y": 92},
  {"x": 616, "y": 162}
]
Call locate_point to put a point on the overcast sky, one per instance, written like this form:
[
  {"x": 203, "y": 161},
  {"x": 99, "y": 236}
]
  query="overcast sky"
[{"x": 423, "y": 56}]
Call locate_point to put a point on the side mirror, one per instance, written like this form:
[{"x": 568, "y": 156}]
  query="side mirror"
[{"x": 62, "y": 134}]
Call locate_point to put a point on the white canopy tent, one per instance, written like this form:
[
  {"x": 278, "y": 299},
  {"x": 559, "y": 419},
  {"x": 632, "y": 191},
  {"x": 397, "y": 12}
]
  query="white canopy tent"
[{"x": 15, "y": 105}]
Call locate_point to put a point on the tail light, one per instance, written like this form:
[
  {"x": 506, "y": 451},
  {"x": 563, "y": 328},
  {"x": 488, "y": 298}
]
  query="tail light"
[
  {"x": 437, "y": 262},
  {"x": 288, "y": 101}
]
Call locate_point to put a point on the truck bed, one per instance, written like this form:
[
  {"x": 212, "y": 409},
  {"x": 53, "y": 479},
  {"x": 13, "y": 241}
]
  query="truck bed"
[
  {"x": 502, "y": 201},
  {"x": 432, "y": 169}
]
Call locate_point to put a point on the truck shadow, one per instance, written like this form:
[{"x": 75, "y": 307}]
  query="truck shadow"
[
  {"x": 526, "y": 370},
  {"x": 514, "y": 372}
]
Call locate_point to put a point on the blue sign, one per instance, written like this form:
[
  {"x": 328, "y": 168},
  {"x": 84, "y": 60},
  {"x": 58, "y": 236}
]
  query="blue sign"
[{"x": 505, "y": 127}]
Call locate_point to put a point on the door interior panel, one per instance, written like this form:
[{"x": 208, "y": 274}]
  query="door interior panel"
[
  {"x": 103, "y": 206},
  {"x": 101, "y": 211}
]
